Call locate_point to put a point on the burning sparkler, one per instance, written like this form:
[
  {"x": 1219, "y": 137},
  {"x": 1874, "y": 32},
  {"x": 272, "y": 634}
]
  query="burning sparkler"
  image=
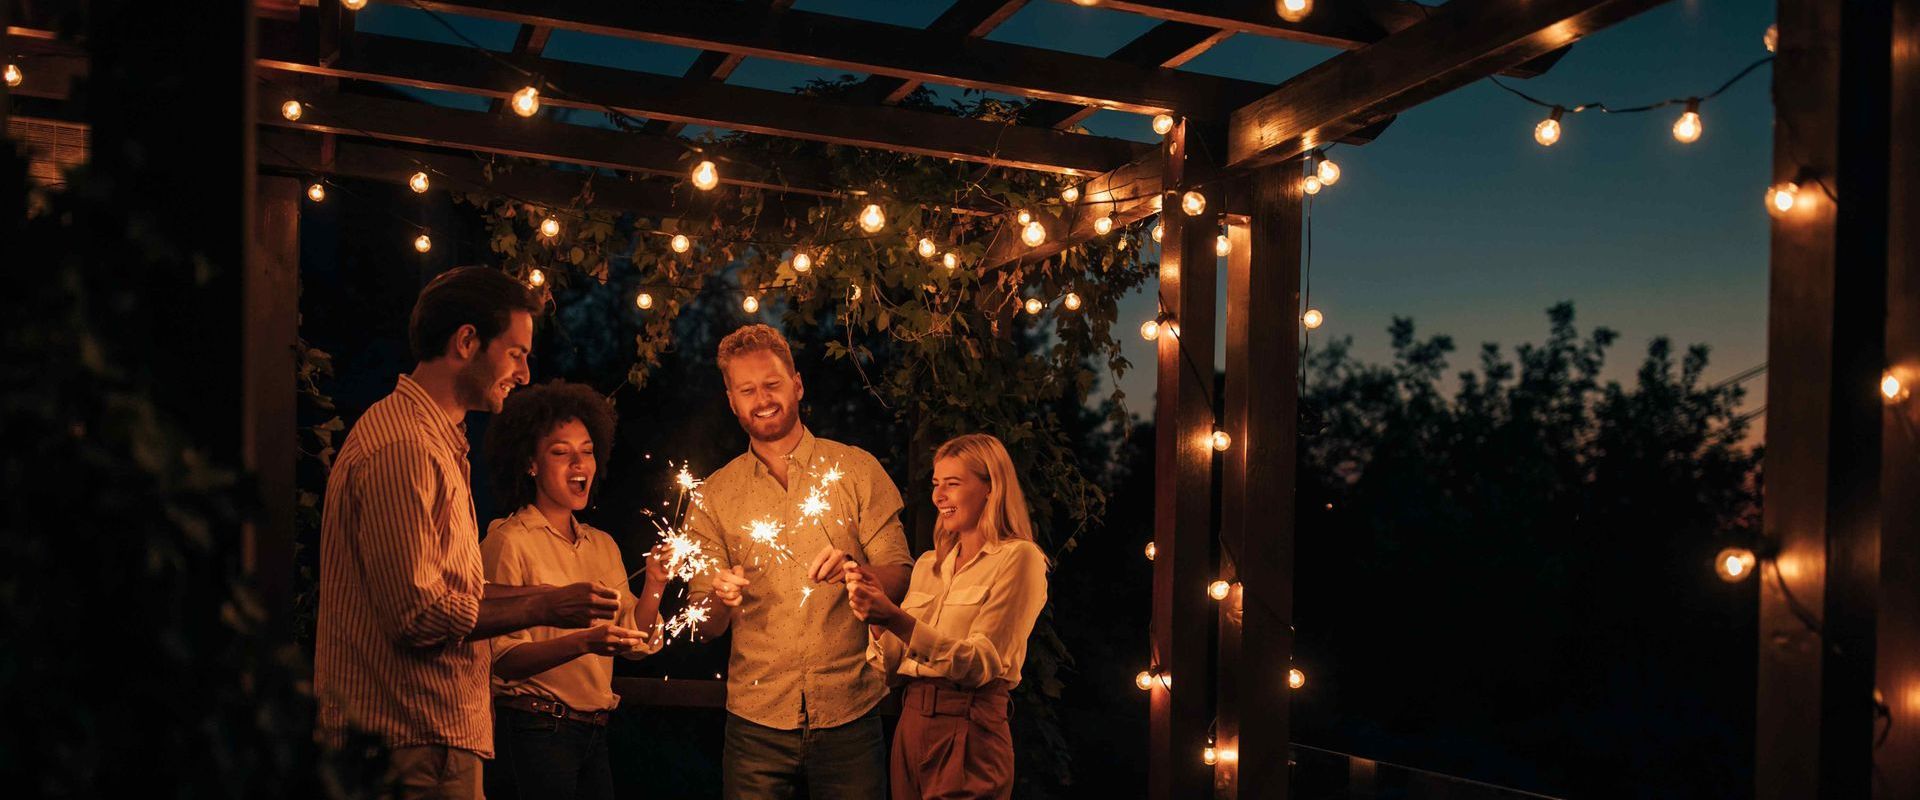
[
  {"x": 766, "y": 533},
  {"x": 686, "y": 621}
]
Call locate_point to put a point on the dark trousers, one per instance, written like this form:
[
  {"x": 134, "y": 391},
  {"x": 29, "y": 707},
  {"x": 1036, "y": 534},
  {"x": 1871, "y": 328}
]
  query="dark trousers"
[
  {"x": 847, "y": 762},
  {"x": 542, "y": 756}
]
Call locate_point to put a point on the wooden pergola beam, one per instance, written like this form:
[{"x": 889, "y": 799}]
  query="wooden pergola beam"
[
  {"x": 969, "y": 18},
  {"x": 861, "y": 46},
  {"x": 1463, "y": 41},
  {"x": 1168, "y": 44},
  {"x": 710, "y": 65},
  {"x": 458, "y": 69}
]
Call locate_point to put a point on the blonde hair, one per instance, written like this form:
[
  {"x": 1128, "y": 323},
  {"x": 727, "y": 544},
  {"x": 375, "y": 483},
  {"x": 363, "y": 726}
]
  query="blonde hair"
[
  {"x": 1005, "y": 516},
  {"x": 753, "y": 339}
]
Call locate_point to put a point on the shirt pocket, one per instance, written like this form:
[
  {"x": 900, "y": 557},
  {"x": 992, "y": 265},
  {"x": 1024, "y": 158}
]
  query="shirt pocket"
[
  {"x": 916, "y": 602},
  {"x": 961, "y": 606}
]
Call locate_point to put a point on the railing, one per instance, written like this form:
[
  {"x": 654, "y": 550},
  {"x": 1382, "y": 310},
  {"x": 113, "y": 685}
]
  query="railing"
[{"x": 1320, "y": 774}]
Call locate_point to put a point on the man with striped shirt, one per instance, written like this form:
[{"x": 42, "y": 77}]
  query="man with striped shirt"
[{"x": 405, "y": 611}]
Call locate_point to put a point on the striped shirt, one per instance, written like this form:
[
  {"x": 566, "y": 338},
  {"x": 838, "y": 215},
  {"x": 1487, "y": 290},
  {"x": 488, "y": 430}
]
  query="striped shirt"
[{"x": 401, "y": 583}]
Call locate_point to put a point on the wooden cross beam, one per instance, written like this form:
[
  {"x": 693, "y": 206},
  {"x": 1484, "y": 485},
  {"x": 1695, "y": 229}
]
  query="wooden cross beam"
[
  {"x": 970, "y": 18},
  {"x": 710, "y": 65}
]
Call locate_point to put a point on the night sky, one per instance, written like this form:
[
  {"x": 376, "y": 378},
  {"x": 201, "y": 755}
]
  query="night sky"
[{"x": 1454, "y": 217}]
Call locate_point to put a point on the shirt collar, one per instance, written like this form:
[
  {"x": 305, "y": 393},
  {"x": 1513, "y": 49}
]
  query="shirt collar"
[
  {"x": 453, "y": 432},
  {"x": 530, "y": 516},
  {"x": 802, "y": 453}
]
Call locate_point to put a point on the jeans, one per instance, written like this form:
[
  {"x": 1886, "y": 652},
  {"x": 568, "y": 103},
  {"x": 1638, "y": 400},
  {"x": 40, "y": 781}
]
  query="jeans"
[
  {"x": 848, "y": 762},
  {"x": 541, "y": 756}
]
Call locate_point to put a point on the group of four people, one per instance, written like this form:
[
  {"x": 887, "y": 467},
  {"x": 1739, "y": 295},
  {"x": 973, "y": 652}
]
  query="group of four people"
[{"x": 452, "y": 649}]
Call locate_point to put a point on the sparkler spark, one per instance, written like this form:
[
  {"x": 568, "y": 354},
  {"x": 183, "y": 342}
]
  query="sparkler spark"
[
  {"x": 816, "y": 503},
  {"x": 766, "y": 533},
  {"x": 685, "y": 621},
  {"x": 832, "y": 475},
  {"x": 805, "y": 592},
  {"x": 686, "y": 480}
]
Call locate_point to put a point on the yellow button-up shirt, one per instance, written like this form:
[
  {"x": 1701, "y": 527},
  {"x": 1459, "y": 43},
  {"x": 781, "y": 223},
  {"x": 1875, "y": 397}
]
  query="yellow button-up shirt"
[
  {"x": 973, "y": 620},
  {"x": 524, "y": 550},
  {"x": 799, "y": 653}
]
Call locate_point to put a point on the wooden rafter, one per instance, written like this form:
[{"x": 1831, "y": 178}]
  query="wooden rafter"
[
  {"x": 1168, "y": 44},
  {"x": 710, "y": 65},
  {"x": 970, "y": 18}
]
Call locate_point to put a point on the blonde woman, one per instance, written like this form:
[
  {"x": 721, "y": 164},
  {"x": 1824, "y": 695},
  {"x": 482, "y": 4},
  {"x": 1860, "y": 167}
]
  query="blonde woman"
[{"x": 959, "y": 637}]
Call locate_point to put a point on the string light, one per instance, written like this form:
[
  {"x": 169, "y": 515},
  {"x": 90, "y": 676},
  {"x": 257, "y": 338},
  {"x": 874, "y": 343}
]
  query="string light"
[
  {"x": 1152, "y": 551},
  {"x": 536, "y": 278},
  {"x": 750, "y": 305},
  {"x": 1296, "y": 679},
  {"x": 1313, "y": 318},
  {"x": 855, "y": 296},
  {"x": 316, "y": 192},
  {"x": 1157, "y": 231},
  {"x": 1103, "y": 226},
  {"x": 290, "y": 109},
  {"x": 1220, "y": 440},
  {"x": 1162, "y": 123},
  {"x": 1193, "y": 203},
  {"x": 950, "y": 260},
  {"x": 872, "y": 219},
  {"x": 1144, "y": 680},
  {"x": 1294, "y": 10},
  {"x": 802, "y": 262},
  {"x": 1328, "y": 172},
  {"x": 1034, "y": 234},
  {"x": 1548, "y": 131},
  {"x": 1024, "y": 216},
  {"x": 1891, "y": 389},
  {"x": 550, "y": 227},
  {"x": 526, "y": 102},
  {"x": 705, "y": 176},
  {"x": 1219, "y": 590},
  {"x": 1208, "y": 756},
  {"x": 1070, "y": 194},
  {"x": 1222, "y": 245},
  {"x": 927, "y": 248},
  {"x": 1311, "y": 185},
  {"x": 1734, "y": 564},
  {"x": 1782, "y": 197},
  {"x": 1071, "y": 302},
  {"x": 644, "y": 301},
  {"x": 423, "y": 243},
  {"x": 1150, "y": 330},
  {"x": 1771, "y": 38},
  {"x": 680, "y": 243},
  {"x": 1687, "y": 128},
  {"x": 418, "y": 183},
  {"x": 1034, "y": 306},
  {"x": 354, "y": 5}
]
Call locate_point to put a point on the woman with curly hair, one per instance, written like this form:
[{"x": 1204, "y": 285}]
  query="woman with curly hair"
[{"x": 553, "y": 688}]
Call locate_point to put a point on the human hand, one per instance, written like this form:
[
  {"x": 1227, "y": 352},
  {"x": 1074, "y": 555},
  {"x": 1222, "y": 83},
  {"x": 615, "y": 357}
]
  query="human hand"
[
  {"x": 610, "y": 640},
  {"x": 830, "y": 566},
  {"x": 578, "y": 605},
  {"x": 869, "y": 602},
  {"x": 657, "y": 576},
  {"x": 729, "y": 585}
]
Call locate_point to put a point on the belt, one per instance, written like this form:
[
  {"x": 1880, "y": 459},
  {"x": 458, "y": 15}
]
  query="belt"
[
  {"x": 943, "y": 698},
  {"x": 551, "y": 708}
]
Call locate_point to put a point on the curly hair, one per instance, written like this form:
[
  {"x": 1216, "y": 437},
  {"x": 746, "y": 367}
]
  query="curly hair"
[
  {"x": 753, "y": 339},
  {"x": 514, "y": 434}
]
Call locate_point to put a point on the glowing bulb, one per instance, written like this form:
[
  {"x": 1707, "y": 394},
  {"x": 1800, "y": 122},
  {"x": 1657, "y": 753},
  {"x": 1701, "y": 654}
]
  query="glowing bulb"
[
  {"x": 1162, "y": 123},
  {"x": 1328, "y": 172},
  {"x": 705, "y": 176},
  {"x": 680, "y": 243},
  {"x": 550, "y": 227},
  {"x": 1218, "y": 590},
  {"x": 1221, "y": 441},
  {"x": 1151, "y": 551},
  {"x": 1159, "y": 202},
  {"x": 354, "y": 5},
  {"x": 1034, "y": 306},
  {"x": 316, "y": 192},
  {"x": 418, "y": 183},
  {"x": 750, "y": 305},
  {"x": 1771, "y": 38},
  {"x": 1208, "y": 756},
  {"x": 1034, "y": 234},
  {"x": 1688, "y": 128},
  {"x": 1782, "y": 197},
  {"x": 1103, "y": 226},
  {"x": 1025, "y": 217},
  {"x": 1890, "y": 387},
  {"x": 1071, "y": 301},
  {"x": 1144, "y": 680},
  {"x": 1088, "y": 3},
  {"x": 872, "y": 219},
  {"x": 1070, "y": 194},
  {"x": 536, "y": 278},
  {"x": 1222, "y": 246},
  {"x": 423, "y": 243},
  {"x": 1157, "y": 231},
  {"x": 855, "y": 296},
  {"x": 1193, "y": 203},
  {"x": 290, "y": 109},
  {"x": 950, "y": 260},
  {"x": 1311, "y": 185},
  {"x": 927, "y": 248},
  {"x": 1150, "y": 330},
  {"x": 644, "y": 301},
  {"x": 802, "y": 262},
  {"x": 1294, "y": 10},
  {"x": 1296, "y": 679},
  {"x": 1734, "y": 564},
  {"x": 1313, "y": 318},
  {"x": 1548, "y": 131},
  {"x": 526, "y": 102}
]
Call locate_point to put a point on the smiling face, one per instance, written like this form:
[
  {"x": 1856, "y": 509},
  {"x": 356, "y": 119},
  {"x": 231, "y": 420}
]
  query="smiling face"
[
  {"x": 764, "y": 395},
  {"x": 490, "y": 371},
  {"x": 959, "y": 495},
  {"x": 564, "y": 466}
]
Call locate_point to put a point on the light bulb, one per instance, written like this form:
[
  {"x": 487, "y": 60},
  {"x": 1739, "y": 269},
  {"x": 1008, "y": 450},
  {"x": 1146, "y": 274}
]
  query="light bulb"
[
  {"x": 316, "y": 192},
  {"x": 1220, "y": 441},
  {"x": 1070, "y": 194},
  {"x": 802, "y": 262},
  {"x": 1688, "y": 128},
  {"x": 1034, "y": 306},
  {"x": 1313, "y": 318},
  {"x": 1294, "y": 10},
  {"x": 1890, "y": 387},
  {"x": 1734, "y": 564},
  {"x": 1103, "y": 226},
  {"x": 1071, "y": 302},
  {"x": 1157, "y": 231},
  {"x": 1782, "y": 197},
  {"x": 1152, "y": 551},
  {"x": 1296, "y": 679},
  {"x": 750, "y": 305},
  {"x": 290, "y": 109},
  {"x": 1193, "y": 203},
  {"x": 1150, "y": 330},
  {"x": 1162, "y": 123},
  {"x": 855, "y": 295},
  {"x": 1219, "y": 590},
  {"x": 1208, "y": 756},
  {"x": 526, "y": 102},
  {"x": 423, "y": 243},
  {"x": 536, "y": 278},
  {"x": 1088, "y": 3},
  {"x": 1311, "y": 185},
  {"x": 872, "y": 219},
  {"x": 1771, "y": 38},
  {"x": 680, "y": 243},
  {"x": 550, "y": 227},
  {"x": 705, "y": 176},
  {"x": 1025, "y": 216},
  {"x": 950, "y": 260},
  {"x": 1548, "y": 131},
  {"x": 927, "y": 248},
  {"x": 1222, "y": 245},
  {"x": 1328, "y": 172},
  {"x": 1034, "y": 234},
  {"x": 354, "y": 5},
  {"x": 1144, "y": 680},
  {"x": 418, "y": 183},
  {"x": 644, "y": 301}
]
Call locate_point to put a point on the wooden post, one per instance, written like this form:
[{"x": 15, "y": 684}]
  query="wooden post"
[
  {"x": 1183, "y": 464},
  {"x": 268, "y": 446},
  {"x": 1827, "y": 349},
  {"x": 1262, "y": 409}
]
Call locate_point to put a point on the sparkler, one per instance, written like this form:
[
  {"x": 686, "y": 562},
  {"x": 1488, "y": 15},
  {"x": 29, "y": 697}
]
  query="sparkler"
[
  {"x": 766, "y": 533},
  {"x": 686, "y": 621}
]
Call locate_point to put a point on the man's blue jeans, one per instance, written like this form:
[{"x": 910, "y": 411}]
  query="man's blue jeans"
[
  {"x": 542, "y": 756},
  {"x": 762, "y": 763}
]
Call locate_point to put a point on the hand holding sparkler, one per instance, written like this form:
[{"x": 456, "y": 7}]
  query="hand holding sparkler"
[
  {"x": 730, "y": 584},
  {"x": 831, "y": 565},
  {"x": 578, "y": 605},
  {"x": 870, "y": 603},
  {"x": 609, "y": 640}
]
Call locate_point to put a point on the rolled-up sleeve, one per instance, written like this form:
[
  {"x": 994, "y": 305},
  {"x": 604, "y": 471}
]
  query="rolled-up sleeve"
[
  {"x": 1001, "y": 627},
  {"x": 403, "y": 549},
  {"x": 882, "y": 540},
  {"x": 506, "y": 564}
]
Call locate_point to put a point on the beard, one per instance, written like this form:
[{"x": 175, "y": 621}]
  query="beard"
[
  {"x": 770, "y": 429},
  {"x": 473, "y": 387}
]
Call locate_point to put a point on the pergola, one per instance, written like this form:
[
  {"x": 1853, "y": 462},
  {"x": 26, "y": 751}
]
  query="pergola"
[{"x": 1844, "y": 462}]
